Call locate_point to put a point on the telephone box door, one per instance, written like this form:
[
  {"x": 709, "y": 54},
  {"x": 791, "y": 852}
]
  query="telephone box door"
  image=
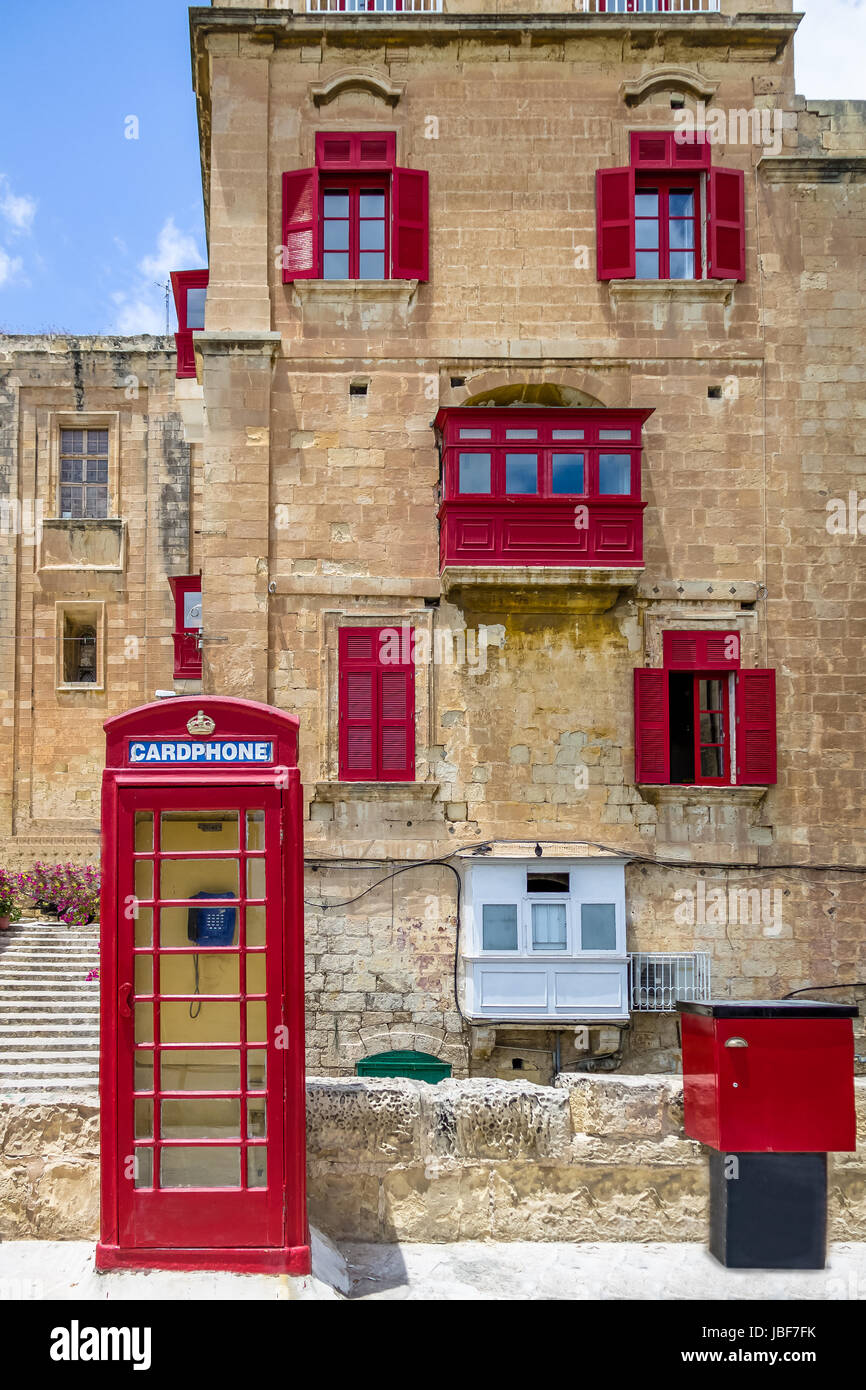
[{"x": 201, "y": 1068}]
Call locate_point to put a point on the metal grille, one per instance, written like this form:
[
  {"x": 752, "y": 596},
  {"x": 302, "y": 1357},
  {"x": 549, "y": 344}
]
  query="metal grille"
[
  {"x": 657, "y": 979},
  {"x": 374, "y": 6},
  {"x": 648, "y": 6}
]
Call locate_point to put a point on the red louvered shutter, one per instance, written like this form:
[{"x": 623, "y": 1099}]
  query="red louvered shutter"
[
  {"x": 690, "y": 150},
  {"x": 300, "y": 225},
  {"x": 756, "y": 728},
  {"x": 344, "y": 150},
  {"x": 726, "y": 225},
  {"x": 652, "y": 149},
  {"x": 377, "y": 705},
  {"x": 651, "y": 739},
  {"x": 614, "y": 217},
  {"x": 701, "y": 650},
  {"x": 410, "y": 233}
]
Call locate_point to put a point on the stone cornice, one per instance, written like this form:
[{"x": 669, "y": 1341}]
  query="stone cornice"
[{"x": 819, "y": 168}]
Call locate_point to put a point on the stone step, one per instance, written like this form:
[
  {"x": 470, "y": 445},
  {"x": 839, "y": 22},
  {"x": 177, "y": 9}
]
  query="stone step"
[
  {"x": 30, "y": 1042},
  {"x": 76, "y": 1064}
]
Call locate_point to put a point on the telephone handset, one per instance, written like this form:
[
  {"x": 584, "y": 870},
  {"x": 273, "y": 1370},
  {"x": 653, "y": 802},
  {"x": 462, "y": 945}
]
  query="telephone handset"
[{"x": 209, "y": 926}]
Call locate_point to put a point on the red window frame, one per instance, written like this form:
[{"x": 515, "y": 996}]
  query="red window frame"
[
  {"x": 355, "y": 185},
  {"x": 182, "y": 281},
  {"x": 665, "y": 184},
  {"x": 376, "y": 704},
  {"x": 187, "y": 638}
]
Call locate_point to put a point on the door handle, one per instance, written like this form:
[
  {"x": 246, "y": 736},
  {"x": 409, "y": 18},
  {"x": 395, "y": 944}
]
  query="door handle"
[
  {"x": 124, "y": 1001},
  {"x": 736, "y": 1042}
]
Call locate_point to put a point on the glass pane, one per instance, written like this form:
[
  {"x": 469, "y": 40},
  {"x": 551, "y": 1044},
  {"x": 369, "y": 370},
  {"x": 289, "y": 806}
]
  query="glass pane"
[
  {"x": 682, "y": 265},
  {"x": 548, "y": 927},
  {"x": 371, "y": 265},
  {"x": 196, "y": 1069},
  {"x": 144, "y": 1119},
  {"x": 372, "y": 205},
  {"x": 256, "y": 1119},
  {"x": 614, "y": 474},
  {"x": 372, "y": 236},
  {"x": 200, "y": 1119},
  {"x": 647, "y": 265},
  {"x": 474, "y": 472},
  {"x": 192, "y": 608},
  {"x": 682, "y": 203},
  {"x": 499, "y": 927},
  {"x": 255, "y": 878},
  {"x": 568, "y": 434},
  {"x": 187, "y": 878},
  {"x": 213, "y": 1022},
  {"x": 712, "y": 762},
  {"x": 646, "y": 204},
  {"x": 614, "y": 434},
  {"x": 255, "y": 829},
  {"x": 521, "y": 434},
  {"x": 213, "y": 973},
  {"x": 255, "y": 926},
  {"x": 198, "y": 831},
  {"x": 646, "y": 233},
  {"x": 335, "y": 236},
  {"x": 144, "y": 878},
  {"x": 336, "y": 204},
  {"x": 256, "y": 974},
  {"x": 474, "y": 434},
  {"x": 143, "y": 1168},
  {"x": 598, "y": 926},
  {"x": 335, "y": 265},
  {"x": 144, "y": 832},
  {"x": 200, "y": 1167},
  {"x": 195, "y": 302},
  {"x": 143, "y": 1071},
  {"x": 257, "y": 1022},
  {"x": 257, "y": 1166},
  {"x": 712, "y": 728},
  {"x": 257, "y": 1070},
  {"x": 143, "y": 1023},
  {"x": 143, "y": 975},
  {"x": 682, "y": 235},
  {"x": 567, "y": 473},
  {"x": 712, "y": 694},
  {"x": 521, "y": 473},
  {"x": 144, "y": 927}
]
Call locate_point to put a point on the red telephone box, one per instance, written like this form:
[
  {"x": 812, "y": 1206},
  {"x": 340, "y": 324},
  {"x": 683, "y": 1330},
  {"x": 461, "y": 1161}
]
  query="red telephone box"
[{"x": 202, "y": 977}]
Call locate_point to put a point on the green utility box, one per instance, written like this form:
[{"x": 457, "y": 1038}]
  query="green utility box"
[{"x": 421, "y": 1066}]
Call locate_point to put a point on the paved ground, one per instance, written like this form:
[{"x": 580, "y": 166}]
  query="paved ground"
[{"x": 470, "y": 1270}]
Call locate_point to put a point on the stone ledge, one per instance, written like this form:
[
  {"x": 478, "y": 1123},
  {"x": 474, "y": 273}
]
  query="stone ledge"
[
  {"x": 819, "y": 168},
  {"x": 672, "y": 291},
  {"x": 349, "y": 293},
  {"x": 375, "y": 791},
  {"x": 702, "y": 796},
  {"x": 542, "y": 588}
]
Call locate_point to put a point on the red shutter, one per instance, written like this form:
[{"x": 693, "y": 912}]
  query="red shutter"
[
  {"x": 651, "y": 740},
  {"x": 726, "y": 225},
  {"x": 377, "y": 705},
  {"x": 301, "y": 225},
  {"x": 409, "y": 232},
  {"x": 652, "y": 149},
  {"x": 614, "y": 216},
  {"x": 701, "y": 651},
  {"x": 756, "y": 728},
  {"x": 690, "y": 151},
  {"x": 341, "y": 149}
]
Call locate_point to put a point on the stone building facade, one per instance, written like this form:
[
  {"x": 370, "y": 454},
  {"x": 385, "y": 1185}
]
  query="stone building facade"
[{"x": 309, "y": 474}]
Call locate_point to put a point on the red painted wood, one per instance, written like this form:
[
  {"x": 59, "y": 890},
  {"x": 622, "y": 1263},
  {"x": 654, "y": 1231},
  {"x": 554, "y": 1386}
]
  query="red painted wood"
[
  {"x": 410, "y": 235},
  {"x": 651, "y": 734},
  {"x": 187, "y": 640},
  {"x": 181, "y": 282},
  {"x": 614, "y": 202},
  {"x": 692, "y": 650},
  {"x": 376, "y": 704},
  {"x": 661, "y": 149},
  {"x": 756, "y": 728},
  {"x": 300, "y": 225},
  {"x": 726, "y": 225},
  {"x": 346, "y": 150}
]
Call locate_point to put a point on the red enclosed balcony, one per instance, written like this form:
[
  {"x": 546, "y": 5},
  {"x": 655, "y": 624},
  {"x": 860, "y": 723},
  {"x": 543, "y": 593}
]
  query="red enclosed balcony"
[
  {"x": 547, "y": 489},
  {"x": 186, "y": 592},
  {"x": 190, "y": 291}
]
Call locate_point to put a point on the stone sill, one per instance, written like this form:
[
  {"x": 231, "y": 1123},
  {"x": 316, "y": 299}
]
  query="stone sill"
[
  {"x": 672, "y": 291},
  {"x": 702, "y": 796},
  {"x": 375, "y": 791},
  {"x": 819, "y": 168},
  {"x": 343, "y": 293},
  {"x": 542, "y": 587},
  {"x": 106, "y": 533},
  {"x": 81, "y": 688}
]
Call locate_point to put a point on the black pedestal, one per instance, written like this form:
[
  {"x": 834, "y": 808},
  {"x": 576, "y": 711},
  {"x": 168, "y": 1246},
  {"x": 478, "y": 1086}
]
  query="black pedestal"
[{"x": 768, "y": 1211}]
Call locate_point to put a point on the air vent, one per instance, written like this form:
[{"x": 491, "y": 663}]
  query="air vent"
[{"x": 658, "y": 979}]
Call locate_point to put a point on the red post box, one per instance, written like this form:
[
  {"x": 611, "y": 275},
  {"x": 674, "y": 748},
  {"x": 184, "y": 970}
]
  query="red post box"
[
  {"x": 202, "y": 971},
  {"x": 769, "y": 1076}
]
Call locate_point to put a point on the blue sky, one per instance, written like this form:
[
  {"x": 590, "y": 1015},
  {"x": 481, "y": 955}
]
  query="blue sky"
[{"x": 91, "y": 220}]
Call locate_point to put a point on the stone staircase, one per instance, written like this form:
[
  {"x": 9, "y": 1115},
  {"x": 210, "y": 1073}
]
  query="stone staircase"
[{"x": 49, "y": 1012}]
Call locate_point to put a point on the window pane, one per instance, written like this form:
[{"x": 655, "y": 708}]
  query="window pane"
[
  {"x": 614, "y": 434},
  {"x": 257, "y": 1166},
  {"x": 255, "y": 878},
  {"x": 195, "y": 301},
  {"x": 256, "y": 1069},
  {"x": 371, "y": 265},
  {"x": 192, "y": 609},
  {"x": 143, "y": 975},
  {"x": 712, "y": 762},
  {"x": 521, "y": 434},
  {"x": 256, "y": 926},
  {"x": 144, "y": 831},
  {"x": 647, "y": 265},
  {"x": 336, "y": 236},
  {"x": 257, "y": 1125},
  {"x": 682, "y": 235},
  {"x": 144, "y": 926},
  {"x": 372, "y": 205},
  {"x": 143, "y": 1168},
  {"x": 521, "y": 473},
  {"x": 712, "y": 728},
  {"x": 548, "y": 927},
  {"x": 372, "y": 236},
  {"x": 97, "y": 441},
  {"x": 70, "y": 471},
  {"x": 143, "y": 1071},
  {"x": 474, "y": 472},
  {"x": 682, "y": 203},
  {"x": 336, "y": 204},
  {"x": 682, "y": 265},
  {"x": 614, "y": 474},
  {"x": 197, "y": 1069},
  {"x": 474, "y": 434},
  {"x": 200, "y": 1167},
  {"x": 567, "y": 473},
  {"x": 194, "y": 878},
  {"x": 72, "y": 441},
  {"x": 335, "y": 266},
  {"x": 499, "y": 927},
  {"x": 646, "y": 204},
  {"x": 144, "y": 1119},
  {"x": 598, "y": 926},
  {"x": 568, "y": 434},
  {"x": 712, "y": 694},
  {"x": 200, "y": 1119},
  {"x": 214, "y": 1021},
  {"x": 255, "y": 830},
  {"x": 96, "y": 503},
  {"x": 646, "y": 233}
]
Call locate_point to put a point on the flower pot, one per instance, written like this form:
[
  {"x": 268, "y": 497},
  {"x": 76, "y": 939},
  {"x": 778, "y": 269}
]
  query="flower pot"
[{"x": 5, "y": 922}]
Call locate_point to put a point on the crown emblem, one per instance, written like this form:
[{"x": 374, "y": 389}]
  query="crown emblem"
[{"x": 201, "y": 723}]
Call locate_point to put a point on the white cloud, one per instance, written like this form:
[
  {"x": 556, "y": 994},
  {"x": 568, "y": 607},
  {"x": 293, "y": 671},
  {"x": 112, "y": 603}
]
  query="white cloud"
[
  {"x": 141, "y": 308},
  {"x": 830, "y": 50},
  {"x": 17, "y": 209},
  {"x": 10, "y": 266}
]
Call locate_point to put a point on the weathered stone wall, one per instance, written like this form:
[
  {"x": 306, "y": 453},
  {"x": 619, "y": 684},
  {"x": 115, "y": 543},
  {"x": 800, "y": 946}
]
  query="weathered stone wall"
[{"x": 593, "y": 1158}]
